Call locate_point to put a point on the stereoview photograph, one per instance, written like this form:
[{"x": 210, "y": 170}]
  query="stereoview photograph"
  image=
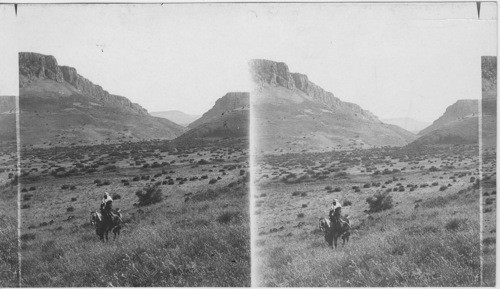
[
  {"x": 375, "y": 164},
  {"x": 248, "y": 144},
  {"x": 133, "y": 148}
]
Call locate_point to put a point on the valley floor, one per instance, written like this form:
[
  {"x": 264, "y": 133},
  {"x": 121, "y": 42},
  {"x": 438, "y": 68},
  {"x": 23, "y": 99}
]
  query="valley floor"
[
  {"x": 196, "y": 235},
  {"x": 430, "y": 237}
]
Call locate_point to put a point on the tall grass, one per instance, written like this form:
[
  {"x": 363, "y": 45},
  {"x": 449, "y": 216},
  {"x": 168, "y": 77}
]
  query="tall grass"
[
  {"x": 426, "y": 247},
  {"x": 184, "y": 247},
  {"x": 8, "y": 252}
]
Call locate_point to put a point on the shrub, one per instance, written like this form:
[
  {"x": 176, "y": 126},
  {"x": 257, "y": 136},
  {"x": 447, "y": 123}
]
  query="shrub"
[
  {"x": 380, "y": 202},
  {"x": 300, "y": 215},
  {"x": 212, "y": 181},
  {"x": 28, "y": 236},
  {"x": 347, "y": 203},
  {"x": 442, "y": 188},
  {"x": 116, "y": 196},
  {"x": 32, "y": 188},
  {"x": 337, "y": 189},
  {"x": 149, "y": 196},
  {"x": 227, "y": 217},
  {"x": 70, "y": 209},
  {"x": 455, "y": 224}
]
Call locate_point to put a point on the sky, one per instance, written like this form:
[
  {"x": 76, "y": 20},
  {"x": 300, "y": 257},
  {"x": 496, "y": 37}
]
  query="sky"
[
  {"x": 8, "y": 52},
  {"x": 393, "y": 59}
]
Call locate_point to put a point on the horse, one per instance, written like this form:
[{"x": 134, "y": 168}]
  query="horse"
[
  {"x": 338, "y": 227},
  {"x": 103, "y": 227}
]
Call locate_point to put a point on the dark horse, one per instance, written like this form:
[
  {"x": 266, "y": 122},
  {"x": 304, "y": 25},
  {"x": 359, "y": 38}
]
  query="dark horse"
[
  {"x": 337, "y": 227},
  {"x": 104, "y": 225}
]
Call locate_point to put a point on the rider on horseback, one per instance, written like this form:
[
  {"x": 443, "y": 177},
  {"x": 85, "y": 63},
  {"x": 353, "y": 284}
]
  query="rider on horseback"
[
  {"x": 106, "y": 205},
  {"x": 336, "y": 209}
]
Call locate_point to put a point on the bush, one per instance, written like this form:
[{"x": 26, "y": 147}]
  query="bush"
[
  {"x": 227, "y": 217},
  {"x": 300, "y": 215},
  {"x": 70, "y": 209},
  {"x": 347, "y": 203},
  {"x": 442, "y": 188},
  {"x": 149, "y": 196},
  {"x": 455, "y": 224},
  {"x": 212, "y": 181},
  {"x": 116, "y": 196},
  {"x": 380, "y": 202}
]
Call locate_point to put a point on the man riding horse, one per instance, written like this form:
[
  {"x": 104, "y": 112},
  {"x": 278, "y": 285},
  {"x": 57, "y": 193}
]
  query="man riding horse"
[
  {"x": 106, "y": 205},
  {"x": 335, "y": 210}
]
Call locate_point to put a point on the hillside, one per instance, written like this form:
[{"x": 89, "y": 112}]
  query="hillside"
[
  {"x": 7, "y": 121},
  {"x": 489, "y": 100},
  {"x": 60, "y": 107},
  {"x": 407, "y": 123},
  {"x": 460, "y": 122},
  {"x": 229, "y": 117},
  {"x": 293, "y": 114},
  {"x": 176, "y": 116},
  {"x": 461, "y": 110}
]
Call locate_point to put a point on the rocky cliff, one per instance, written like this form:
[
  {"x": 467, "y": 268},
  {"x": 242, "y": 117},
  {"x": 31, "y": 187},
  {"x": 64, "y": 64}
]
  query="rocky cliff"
[
  {"x": 35, "y": 66},
  {"x": 267, "y": 72},
  {"x": 293, "y": 114}
]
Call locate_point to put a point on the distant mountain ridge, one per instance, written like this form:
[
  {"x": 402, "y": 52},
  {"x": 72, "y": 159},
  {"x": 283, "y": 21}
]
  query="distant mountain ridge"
[
  {"x": 293, "y": 114},
  {"x": 59, "y": 107},
  {"x": 407, "y": 123},
  {"x": 176, "y": 116}
]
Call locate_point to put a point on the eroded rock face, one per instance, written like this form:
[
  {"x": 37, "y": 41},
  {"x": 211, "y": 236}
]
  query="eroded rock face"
[
  {"x": 34, "y": 66},
  {"x": 277, "y": 74}
]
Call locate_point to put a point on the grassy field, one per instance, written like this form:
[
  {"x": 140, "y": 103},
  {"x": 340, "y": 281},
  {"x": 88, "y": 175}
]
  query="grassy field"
[
  {"x": 430, "y": 236},
  {"x": 197, "y": 235},
  {"x": 9, "y": 265}
]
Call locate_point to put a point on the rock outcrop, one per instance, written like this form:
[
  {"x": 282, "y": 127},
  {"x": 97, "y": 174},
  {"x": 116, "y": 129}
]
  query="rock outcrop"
[
  {"x": 35, "y": 66},
  {"x": 277, "y": 74}
]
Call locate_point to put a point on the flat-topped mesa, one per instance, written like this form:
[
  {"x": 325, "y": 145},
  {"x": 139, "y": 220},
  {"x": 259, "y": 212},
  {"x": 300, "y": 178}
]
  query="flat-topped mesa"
[
  {"x": 277, "y": 74},
  {"x": 34, "y": 66}
]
